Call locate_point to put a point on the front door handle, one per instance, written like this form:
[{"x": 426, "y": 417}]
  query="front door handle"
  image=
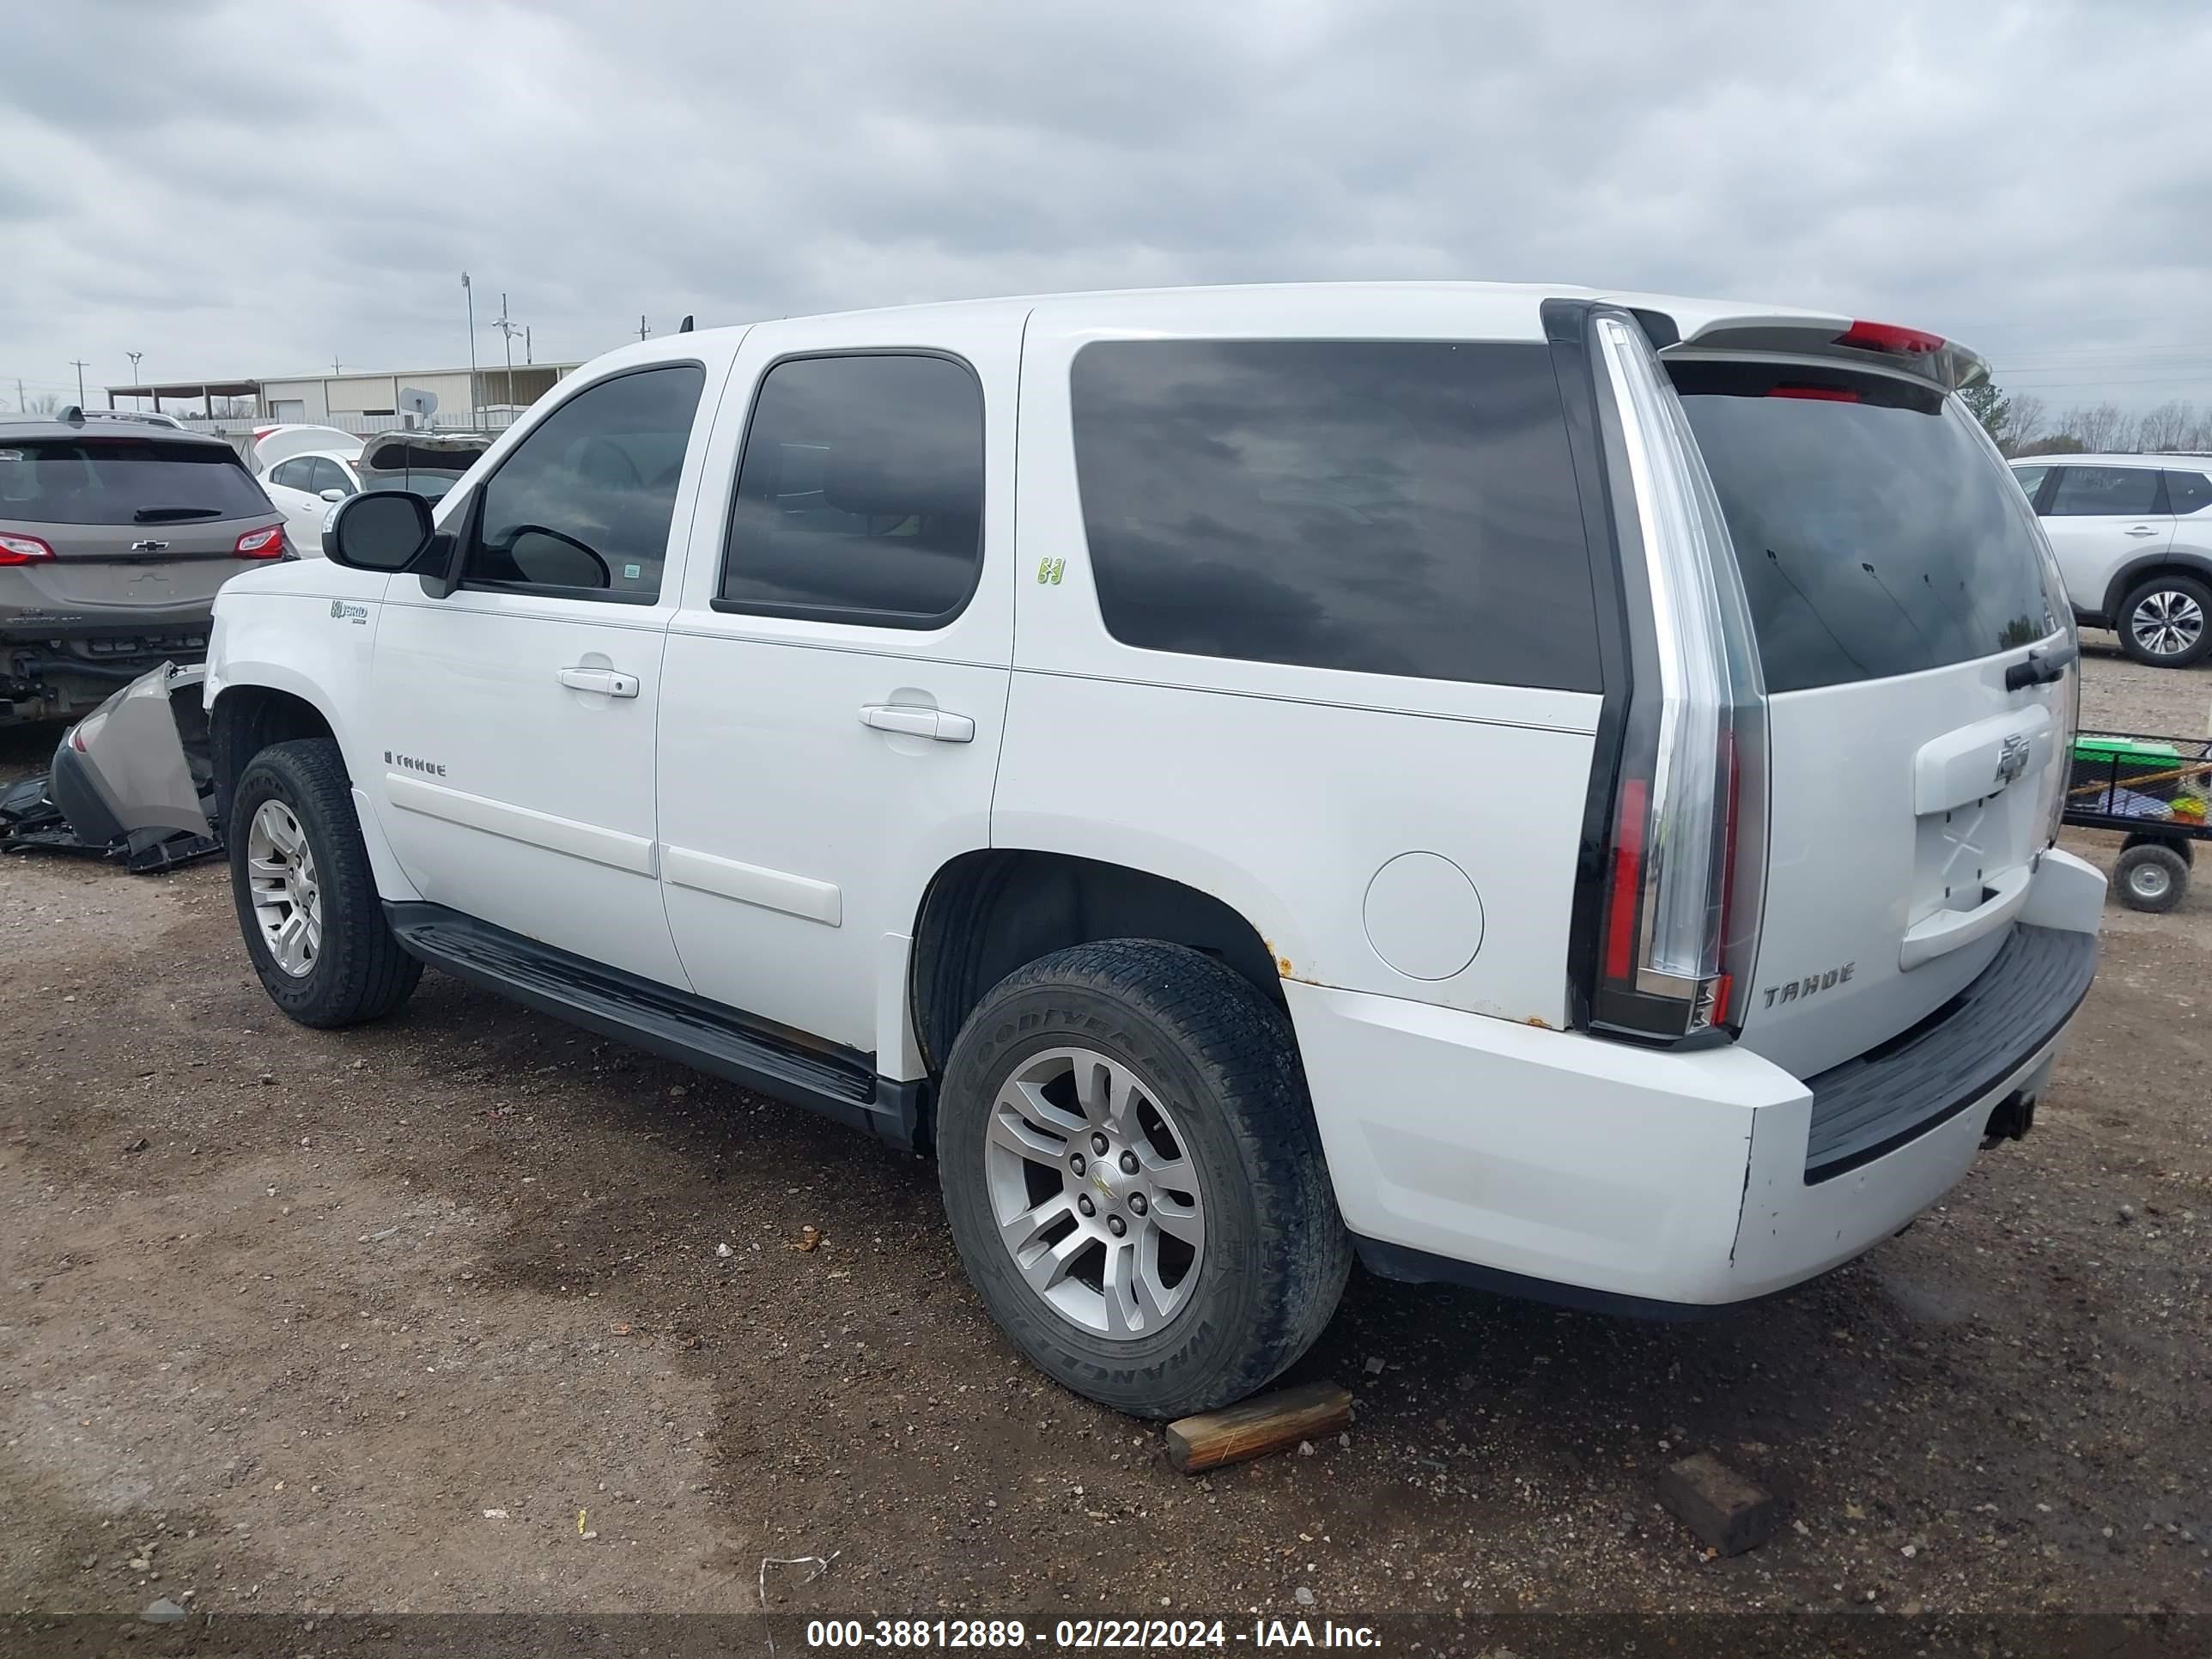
[
  {"x": 914, "y": 722},
  {"x": 605, "y": 681},
  {"x": 2141, "y": 530}
]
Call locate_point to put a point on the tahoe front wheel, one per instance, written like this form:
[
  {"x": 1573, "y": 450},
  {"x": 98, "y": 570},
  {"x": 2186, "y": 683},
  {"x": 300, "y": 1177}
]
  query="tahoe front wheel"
[
  {"x": 1133, "y": 1177},
  {"x": 307, "y": 899}
]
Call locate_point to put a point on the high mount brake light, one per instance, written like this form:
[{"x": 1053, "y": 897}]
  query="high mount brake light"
[
  {"x": 1888, "y": 336},
  {"x": 1687, "y": 856},
  {"x": 1826, "y": 394}
]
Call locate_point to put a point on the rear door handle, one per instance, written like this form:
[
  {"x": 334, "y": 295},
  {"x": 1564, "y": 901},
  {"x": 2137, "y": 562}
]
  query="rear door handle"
[
  {"x": 2141, "y": 530},
  {"x": 605, "y": 681},
  {"x": 914, "y": 722}
]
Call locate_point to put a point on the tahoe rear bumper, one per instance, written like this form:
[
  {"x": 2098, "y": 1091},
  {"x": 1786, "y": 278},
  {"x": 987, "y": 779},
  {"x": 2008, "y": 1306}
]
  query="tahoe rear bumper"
[{"x": 1555, "y": 1165}]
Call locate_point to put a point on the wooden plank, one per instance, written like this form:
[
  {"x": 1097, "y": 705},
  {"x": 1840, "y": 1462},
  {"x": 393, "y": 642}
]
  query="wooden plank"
[{"x": 1253, "y": 1428}]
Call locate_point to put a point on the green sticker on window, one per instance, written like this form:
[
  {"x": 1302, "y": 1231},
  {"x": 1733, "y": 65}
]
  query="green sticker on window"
[{"x": 632, "y": 572}]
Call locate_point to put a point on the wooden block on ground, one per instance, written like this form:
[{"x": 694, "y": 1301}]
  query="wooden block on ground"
[
  {"x": 1718, "y": 1505},
  {"x": 1254, "y": 1427}
]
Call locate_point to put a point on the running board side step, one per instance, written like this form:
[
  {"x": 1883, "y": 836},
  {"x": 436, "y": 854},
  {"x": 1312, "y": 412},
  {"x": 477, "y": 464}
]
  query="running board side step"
[{"x": 837, "y": 1082}]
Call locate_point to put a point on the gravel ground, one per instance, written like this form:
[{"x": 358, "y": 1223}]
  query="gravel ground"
[{"x": 436, "y": 1316}]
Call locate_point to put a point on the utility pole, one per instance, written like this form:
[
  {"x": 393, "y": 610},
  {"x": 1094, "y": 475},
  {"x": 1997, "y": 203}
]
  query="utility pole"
[
  {"x": 334, "y": 367},
  {"x": 508, "y": 332},
  {"x": 471, "y": 295},
  {"x": 642, "y": 331},
  {"x": 79, "y": 364},
  {"x": 526, "y": 358}
]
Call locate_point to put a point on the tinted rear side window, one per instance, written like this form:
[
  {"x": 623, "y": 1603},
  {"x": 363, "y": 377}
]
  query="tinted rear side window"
[
  {"x": 1403, "y": 508},
  {"x": 1876, "y": 533},
  {"x": 2104, "y": 492},
  {"x": 860, "y": 493},
  {"x": 102, "y": 480},
  {"x": 2188, "y": 492}
]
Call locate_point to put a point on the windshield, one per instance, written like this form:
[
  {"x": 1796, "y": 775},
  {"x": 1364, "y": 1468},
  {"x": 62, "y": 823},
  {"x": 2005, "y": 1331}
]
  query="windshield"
[
  {"x": 1877, "y": 532},
  {"x": 124, "y": 480}
]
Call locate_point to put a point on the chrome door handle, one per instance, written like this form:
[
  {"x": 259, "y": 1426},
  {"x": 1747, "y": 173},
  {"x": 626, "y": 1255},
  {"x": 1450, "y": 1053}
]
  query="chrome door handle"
[
  {"x": 2142, "y": 530},
  {"x": 932, "y": 723},
  {"x": 605, "y": 681}
]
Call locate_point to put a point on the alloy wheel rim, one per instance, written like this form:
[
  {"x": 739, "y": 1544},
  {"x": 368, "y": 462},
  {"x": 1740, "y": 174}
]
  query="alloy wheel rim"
[
  {"x": 2167, "y": 622},
  {"x": 288, "y": 902},
  {"x": 1095, "y": 1192}
]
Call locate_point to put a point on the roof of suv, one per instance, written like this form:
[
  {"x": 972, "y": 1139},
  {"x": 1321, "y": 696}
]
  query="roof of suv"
[
  {"x": 47, "y": 426},
  {"x": 2186, "y": 459},
  {"x": 1724, "y": 324}
]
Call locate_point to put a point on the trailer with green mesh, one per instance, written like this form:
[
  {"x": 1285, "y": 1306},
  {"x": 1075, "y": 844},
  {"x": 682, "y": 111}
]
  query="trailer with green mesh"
[{"x": 2155, "y": 791}]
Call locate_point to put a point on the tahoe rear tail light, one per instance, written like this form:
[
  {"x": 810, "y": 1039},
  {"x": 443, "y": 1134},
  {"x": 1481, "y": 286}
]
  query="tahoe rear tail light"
[
  {"x": 265, "y": 543},
  {"x": 23, "y": 549},
  {"x": 1684, "y": 863}
]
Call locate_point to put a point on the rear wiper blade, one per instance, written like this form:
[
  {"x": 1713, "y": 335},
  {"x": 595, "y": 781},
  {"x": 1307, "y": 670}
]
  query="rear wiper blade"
[{"x": 173, "y": 514}]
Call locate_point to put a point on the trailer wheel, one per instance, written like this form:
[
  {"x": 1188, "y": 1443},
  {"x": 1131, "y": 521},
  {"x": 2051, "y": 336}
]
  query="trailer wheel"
[{"x": 2151, "y": 876}]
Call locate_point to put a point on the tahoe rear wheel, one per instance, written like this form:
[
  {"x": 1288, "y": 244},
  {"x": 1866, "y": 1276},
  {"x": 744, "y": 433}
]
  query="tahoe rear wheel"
[
  {"x": 2163, "y": 621},
  {"x": 1133, "y": 1177},
  {"x": 306, "y": 901}
]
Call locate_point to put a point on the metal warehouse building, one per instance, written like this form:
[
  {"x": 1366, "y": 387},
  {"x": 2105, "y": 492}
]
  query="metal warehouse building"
[{"x": 321, "y": 398}]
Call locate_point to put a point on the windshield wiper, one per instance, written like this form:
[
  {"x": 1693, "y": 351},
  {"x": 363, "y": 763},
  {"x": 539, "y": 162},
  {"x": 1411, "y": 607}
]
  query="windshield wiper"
[{"x": 173, "y": 514}]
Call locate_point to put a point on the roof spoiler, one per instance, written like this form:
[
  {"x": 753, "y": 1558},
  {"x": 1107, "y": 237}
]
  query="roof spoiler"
[{"x": 1885, "y": 345}]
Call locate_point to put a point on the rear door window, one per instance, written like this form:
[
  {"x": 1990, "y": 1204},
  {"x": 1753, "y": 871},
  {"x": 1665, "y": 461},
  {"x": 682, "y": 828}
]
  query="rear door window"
[
  {"x": 1876, "y": 532},
  {"x": 1385, "y": 508},
  {"x": 2188, "y": 492},
  {"x": 860, "y": 497},
  {"x": 2106, "y": 492},
  {"x": 102, "y": 480}
]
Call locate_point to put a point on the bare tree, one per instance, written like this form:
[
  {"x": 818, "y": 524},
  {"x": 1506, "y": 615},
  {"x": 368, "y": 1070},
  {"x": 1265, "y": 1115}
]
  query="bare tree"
[
  {"x": 2167, "y": 427},
  {"x": 2103, "y": 428},
  {"x": 2025, "y": 417},
  {"x": 42, "y": 403}
]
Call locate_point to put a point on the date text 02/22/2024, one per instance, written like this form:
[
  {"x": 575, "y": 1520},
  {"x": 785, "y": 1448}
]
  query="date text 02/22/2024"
[{"x": 1081, "y": 1634}]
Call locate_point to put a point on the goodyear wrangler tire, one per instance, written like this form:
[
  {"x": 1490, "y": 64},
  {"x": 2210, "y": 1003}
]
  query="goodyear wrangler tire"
[{"x": 1133, "y": 1177}]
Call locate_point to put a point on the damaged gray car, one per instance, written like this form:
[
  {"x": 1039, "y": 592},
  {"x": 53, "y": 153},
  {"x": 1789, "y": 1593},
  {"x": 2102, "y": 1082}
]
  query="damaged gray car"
[{"x": 131, "y": 781}]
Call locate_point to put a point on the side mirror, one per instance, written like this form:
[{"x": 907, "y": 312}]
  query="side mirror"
[
  {"x": 333, "y": 495},
  {"x": 383, "y": 530}
]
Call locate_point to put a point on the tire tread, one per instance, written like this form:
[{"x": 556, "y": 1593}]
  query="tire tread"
[
  {"x": 372, "y": 974},
  {"x": 1244, "y": 1049}
]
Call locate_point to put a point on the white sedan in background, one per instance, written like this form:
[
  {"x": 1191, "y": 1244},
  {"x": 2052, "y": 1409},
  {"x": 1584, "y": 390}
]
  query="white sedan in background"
[{"x": 304, "y": 485}]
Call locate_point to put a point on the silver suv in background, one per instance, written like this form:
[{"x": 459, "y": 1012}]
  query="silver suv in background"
[
  {"x": 2133, "y": 534},
  {"x": 114, "y": 536}
]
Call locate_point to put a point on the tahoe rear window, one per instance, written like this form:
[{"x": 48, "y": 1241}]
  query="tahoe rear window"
[
  {"x": 124, "y": 481},
  {"x": 1876, "y": 533},
  {"x": 1387, "y": 508}
]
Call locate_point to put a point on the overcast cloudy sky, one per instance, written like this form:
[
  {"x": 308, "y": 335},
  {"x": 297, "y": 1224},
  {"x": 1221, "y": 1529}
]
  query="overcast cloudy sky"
[{"x": 257, "y": 187}]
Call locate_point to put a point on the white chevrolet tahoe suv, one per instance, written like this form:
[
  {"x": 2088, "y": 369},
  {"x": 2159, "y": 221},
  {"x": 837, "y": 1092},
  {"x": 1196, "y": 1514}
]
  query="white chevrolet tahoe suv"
[{"x": 1522, "y": 786}]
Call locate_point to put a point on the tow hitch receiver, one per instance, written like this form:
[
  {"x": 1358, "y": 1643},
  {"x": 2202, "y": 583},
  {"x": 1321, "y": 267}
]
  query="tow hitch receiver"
[{"x": 2010, "y": 1119}]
